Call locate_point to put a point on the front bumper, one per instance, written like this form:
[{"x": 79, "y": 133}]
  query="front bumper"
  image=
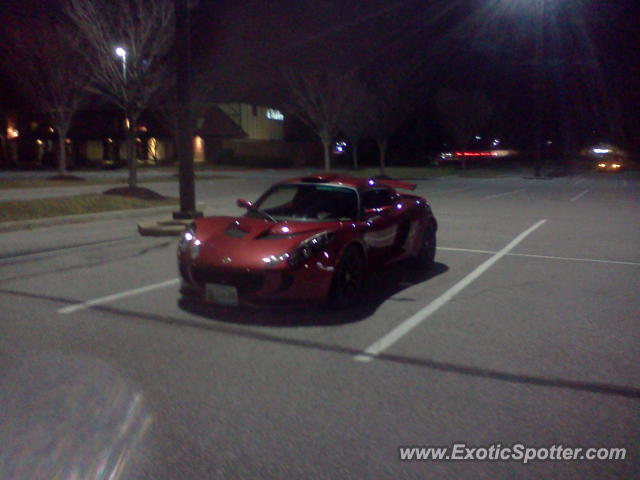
[{"x": 306, "y": 283}]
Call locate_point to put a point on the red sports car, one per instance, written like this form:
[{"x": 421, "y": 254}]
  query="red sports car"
[{"x": 308, "y": 239}]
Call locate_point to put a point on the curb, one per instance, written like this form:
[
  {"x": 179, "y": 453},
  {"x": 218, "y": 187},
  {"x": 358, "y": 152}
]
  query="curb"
[
  {"x": 169, "y": 228},
  {"x": 83, "y": 218}
]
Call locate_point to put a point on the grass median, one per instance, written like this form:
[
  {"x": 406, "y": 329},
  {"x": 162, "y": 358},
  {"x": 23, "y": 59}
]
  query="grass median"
[
  {"x": 14, "y": 210},
  {"x": 73, "y": 181}
]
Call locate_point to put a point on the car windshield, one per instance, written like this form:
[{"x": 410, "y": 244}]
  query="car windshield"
[{"x": 304, "y": 202}]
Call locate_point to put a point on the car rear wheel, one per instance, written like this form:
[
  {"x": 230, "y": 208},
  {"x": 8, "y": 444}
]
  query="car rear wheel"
[
  {"x": 348, "y": 279},
  {"x": 427, "y": 254}
]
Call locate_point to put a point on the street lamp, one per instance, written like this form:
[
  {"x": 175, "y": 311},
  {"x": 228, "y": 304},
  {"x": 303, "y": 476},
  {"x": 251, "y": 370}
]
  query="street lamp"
[{"x": 122, "y": 53}]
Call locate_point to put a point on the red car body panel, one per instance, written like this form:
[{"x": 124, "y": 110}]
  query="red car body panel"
[{"x": 236, "y": 251}]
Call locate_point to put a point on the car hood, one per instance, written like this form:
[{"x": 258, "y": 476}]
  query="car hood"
[{"x": 243, "y": 242}]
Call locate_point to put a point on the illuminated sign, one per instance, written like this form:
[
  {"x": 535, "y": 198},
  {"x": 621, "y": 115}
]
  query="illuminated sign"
[{"x": 274, "y": 114}]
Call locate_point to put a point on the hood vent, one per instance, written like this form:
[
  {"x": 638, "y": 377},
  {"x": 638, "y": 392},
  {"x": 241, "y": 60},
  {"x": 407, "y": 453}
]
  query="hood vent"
[{"x": 235, "y": 231}]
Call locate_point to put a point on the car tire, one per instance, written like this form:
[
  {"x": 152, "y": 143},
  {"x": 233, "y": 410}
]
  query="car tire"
[
  {"x": 427, "y": 254},
  {"x": 348, "y": 279}
]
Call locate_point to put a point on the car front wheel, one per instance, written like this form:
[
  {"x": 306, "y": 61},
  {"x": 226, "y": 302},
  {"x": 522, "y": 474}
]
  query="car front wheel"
[{"x": 348, "y": 279}]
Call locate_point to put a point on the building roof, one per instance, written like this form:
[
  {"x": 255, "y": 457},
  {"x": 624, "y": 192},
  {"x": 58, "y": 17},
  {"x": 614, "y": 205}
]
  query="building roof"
[
  {"x": 109, "y": 123},
  {"x": 216, "y": 123}
]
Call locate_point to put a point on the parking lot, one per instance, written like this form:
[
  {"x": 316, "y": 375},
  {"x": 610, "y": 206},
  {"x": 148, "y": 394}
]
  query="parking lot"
[{"x": 526, "y": 331}]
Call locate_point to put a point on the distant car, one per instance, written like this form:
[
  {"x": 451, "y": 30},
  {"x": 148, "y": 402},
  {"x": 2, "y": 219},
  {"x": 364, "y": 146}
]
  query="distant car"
[
  {"x": 310, "y": 239},
  {"x": 609, "y": 165},
  {"x": 475, "y": 156}
]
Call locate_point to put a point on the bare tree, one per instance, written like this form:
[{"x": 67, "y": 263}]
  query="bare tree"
[
  {"x": 356, "y": 119},
  {"x": 4, "y": 148},
  {"x": 203, "y": 87},
  {"x": 390, "y": 108},
  {"x": 41, "y": 56},
  {"x": 463, "y": 114},
  {"x": 320, "y": 99},
  {"x": 144, "y": 30}
]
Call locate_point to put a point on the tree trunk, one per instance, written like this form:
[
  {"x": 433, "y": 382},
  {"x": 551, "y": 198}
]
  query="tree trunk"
[
  {"x": 382, "y": 148},
  {"x": 326, "y": 144},
  {"x": 463, "y": 159},
  {"x": 4, "y": 152},
  {"x": 132, "y": 161},
  {"x": 62, "y": 153},
  {"x": 354, "y": 152}
]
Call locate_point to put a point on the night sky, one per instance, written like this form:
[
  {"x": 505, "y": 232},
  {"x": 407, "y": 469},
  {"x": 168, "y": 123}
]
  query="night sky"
[{"x": 588, "y": 67}]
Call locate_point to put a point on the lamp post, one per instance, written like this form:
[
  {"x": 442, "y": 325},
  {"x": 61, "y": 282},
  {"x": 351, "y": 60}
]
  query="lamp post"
[
  {"x": 129, "y": 132},
  {"x": 122, "y": 53},
  {"x": 185, "y": 130},
  {"x": 538, "y": 82}
]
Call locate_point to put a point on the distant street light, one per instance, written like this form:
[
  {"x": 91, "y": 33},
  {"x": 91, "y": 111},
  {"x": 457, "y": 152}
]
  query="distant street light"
[
  {"x": 121, "y": 52},
  {"x": 538, "y": 86}
]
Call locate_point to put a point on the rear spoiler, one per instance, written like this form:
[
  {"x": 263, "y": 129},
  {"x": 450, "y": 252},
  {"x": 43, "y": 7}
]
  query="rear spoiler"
[{"x": 395, "y": 183}]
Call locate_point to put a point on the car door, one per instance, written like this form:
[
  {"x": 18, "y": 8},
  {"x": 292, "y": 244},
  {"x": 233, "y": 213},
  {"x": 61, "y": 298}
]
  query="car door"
[{"x": 381, "y": 222}]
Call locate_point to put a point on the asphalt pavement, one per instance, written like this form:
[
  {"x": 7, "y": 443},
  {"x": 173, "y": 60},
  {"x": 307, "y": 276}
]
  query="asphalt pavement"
[{"x": 525, "y": 332}]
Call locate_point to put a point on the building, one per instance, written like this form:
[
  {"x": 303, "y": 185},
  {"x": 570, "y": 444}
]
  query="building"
[{"x": 225, "y": 133}]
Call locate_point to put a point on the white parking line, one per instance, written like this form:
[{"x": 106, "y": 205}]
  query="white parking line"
[
  {"x": 505, "y": 193},
  {"x": 469, "y": 250},
  {"x": 549, "y": 257},
  {"x": 454, "y": 190},
  {"x": 579, "y": 196},
  {"x": 116, "y": 296},
  {"x": 410, "y": 323}
]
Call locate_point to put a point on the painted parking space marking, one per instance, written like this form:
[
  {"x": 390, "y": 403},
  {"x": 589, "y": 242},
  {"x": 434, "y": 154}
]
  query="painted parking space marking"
[
  {"x": 416, "y": 319},
  {"x": 117, "y": 296},
  {"x": 548, "y": 257},
  {"x": 468, "y": 250},
  {"x": 454, "y": 190},
  {"x": 497, "y": 195},
  {"x": 579, "y": 196}
]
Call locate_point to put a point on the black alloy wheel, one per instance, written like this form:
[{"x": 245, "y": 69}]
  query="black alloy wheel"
[{"x": 348, "y": 279}]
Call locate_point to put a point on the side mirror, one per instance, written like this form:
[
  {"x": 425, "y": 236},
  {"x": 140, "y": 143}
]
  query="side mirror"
[
  {"x": 370, "y": 213},
  {"x": 242, "y": 203},
  {"x": 377, "y": 212}
]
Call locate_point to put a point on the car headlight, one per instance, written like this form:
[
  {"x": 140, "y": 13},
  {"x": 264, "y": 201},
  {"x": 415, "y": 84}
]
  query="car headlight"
[
  {"x": 187, "y": 237},
  {"x": 310, "y": 247}
]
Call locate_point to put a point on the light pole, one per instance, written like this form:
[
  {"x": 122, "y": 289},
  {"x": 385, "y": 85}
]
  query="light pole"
[
  {"x": 538, "y": 85},
  {"x": 122, "y": 53},
  {"x": 185, "y": 129},
  {"x": 129, "y": 132}
]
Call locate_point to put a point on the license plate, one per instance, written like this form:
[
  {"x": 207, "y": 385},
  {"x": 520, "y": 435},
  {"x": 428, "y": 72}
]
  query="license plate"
[{"x": 221, "y": 294}]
